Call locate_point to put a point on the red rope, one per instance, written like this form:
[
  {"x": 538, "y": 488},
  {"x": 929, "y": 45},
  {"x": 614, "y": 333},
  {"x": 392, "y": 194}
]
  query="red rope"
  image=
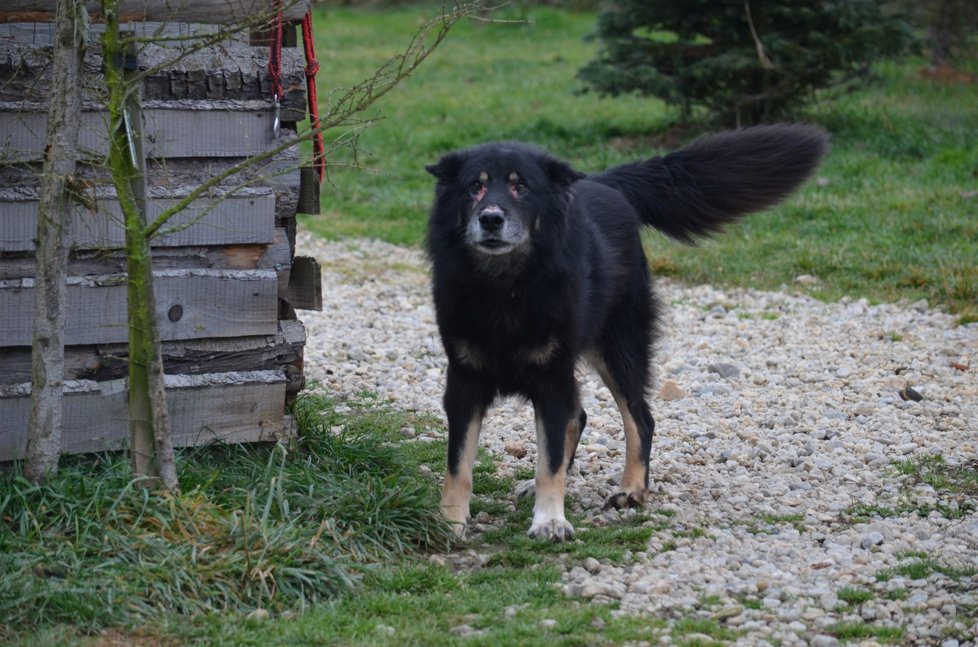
[
  {"x": 312, "y": 66},
  {"x": 275, "y": 55}
]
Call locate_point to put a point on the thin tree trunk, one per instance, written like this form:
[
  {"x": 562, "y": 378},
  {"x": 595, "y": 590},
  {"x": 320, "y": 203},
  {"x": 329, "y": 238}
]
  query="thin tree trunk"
[
  {"x": 51, "y": 260},
  {"x": 150, "y": 437},
  {"x": 151, "y": 444}
]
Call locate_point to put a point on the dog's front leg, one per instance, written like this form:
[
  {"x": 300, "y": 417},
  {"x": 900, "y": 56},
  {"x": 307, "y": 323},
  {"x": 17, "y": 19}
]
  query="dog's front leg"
[
  {"x": 465, "y": 406},
  {"x": 554, "y": 420}
]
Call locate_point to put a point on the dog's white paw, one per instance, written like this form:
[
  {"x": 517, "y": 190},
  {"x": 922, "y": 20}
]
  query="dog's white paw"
[
  {"x": 459, "y": 530},
  {"x": 458, "y": 517},
  {"x": 551, "y": 529},
  {"x": 526, "y": 488}
]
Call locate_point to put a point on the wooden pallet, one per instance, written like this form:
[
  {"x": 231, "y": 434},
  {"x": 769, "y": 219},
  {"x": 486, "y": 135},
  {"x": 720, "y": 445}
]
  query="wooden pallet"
[{"x": 226, "y": 278}]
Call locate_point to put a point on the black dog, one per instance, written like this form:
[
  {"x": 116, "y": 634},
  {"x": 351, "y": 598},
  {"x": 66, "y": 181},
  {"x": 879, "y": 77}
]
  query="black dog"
[{"x": 536, "y": 266}]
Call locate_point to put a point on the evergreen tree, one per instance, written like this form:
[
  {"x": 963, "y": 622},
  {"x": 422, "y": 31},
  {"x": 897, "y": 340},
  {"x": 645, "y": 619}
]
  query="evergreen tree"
[{"x": 744, "y": 62}]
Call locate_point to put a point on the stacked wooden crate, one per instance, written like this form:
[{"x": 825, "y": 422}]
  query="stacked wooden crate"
[{"x": 225, "y": 287}]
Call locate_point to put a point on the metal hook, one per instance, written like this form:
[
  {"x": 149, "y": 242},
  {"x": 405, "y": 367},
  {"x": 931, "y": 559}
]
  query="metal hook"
[{"x": 277, "y": 124}]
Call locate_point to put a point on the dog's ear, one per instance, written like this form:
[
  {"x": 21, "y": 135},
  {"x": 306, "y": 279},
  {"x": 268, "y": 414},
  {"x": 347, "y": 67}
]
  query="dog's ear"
[
  {"x": 446, "y": 169},
  {"x": 560, "y": 172}
]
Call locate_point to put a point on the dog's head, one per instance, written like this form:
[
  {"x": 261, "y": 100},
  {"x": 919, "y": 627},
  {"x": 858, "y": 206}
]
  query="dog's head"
[{"x": 495, "y": 198}]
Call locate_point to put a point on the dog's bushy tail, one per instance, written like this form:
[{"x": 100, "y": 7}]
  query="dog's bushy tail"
[{"x": 695, "y": 191}]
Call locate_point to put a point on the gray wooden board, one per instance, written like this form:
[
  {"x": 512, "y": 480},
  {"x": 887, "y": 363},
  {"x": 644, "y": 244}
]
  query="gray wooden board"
[
  {"x": 26, "y": 30},
  {"x": 236, "y": 73},
  {"x": 109, "y": 361},
  {"x": 247, "y": 217},
  {"x": 221, "y": 12},
  {"x": 190, "y": 304},
  {"x": 226, "y": 408},
  {"x": 175, "y": 177},
  {"x": 210, "y": 129},
  {"x": 305, "y": 284},
  {"x": 215, "y": 73},
  {"x": 273, "y": 256}
]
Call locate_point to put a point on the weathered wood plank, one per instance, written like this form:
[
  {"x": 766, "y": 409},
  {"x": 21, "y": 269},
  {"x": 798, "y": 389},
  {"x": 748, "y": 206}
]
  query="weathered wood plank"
[
  {"x": 274, "y": 256},
  {"x": 178, "y": 176},
  {"x": 25, "y": 70},
  {"x": 229, "y": 129},
  {"x": 309, "y": 184},
  {"x": 238, "y": 74},
  {"x": 190, "y": 304},
  {"x": 226, "y": 73},
  {"x": 27, "y": 31},
  {"x": 171, "y": 129},
  {"x": 221, "y": 12},
  {"x": 305, "y": 284},
  {"x": 245, "y": 217},
  {"x": 213, "y": 408},
  {"x": 22, "y": 133},
  {"x": 104, "y": 362}
]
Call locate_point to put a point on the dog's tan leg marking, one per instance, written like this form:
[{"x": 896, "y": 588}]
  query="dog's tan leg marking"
[
  {"x": 528, "y": 488},
  {"x": 570, "y": 441},
  {"x": 457, "y": 491},
  {"x": 634, "y": 477},
  {"x": 549, "y": 521},
  {"x": 634, "y": 492}
]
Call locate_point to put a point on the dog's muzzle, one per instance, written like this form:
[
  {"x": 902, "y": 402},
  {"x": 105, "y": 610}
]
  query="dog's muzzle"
[
  {"x": 493, "y": 231},
  {"x": 491, "y": 219}
]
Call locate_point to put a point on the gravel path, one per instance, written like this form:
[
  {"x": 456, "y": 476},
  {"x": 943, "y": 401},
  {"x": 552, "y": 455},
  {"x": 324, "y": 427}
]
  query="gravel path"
[{"x": 778, "y": 420}]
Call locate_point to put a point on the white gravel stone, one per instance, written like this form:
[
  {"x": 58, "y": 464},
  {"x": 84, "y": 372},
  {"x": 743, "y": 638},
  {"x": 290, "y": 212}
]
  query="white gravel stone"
[{"x": 777, "y": 448}]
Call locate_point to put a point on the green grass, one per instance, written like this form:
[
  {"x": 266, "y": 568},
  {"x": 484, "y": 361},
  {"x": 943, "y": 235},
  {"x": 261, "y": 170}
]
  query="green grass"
[
  {"x": 414, "y": 603},
  {"x": 920, "y": 567},
  {"x": 329, "y": 534},
  {"x": 896, "y": 595},
  {"x": 701, "y": 632},
  {"x": 955, "y": 485},
  {"x": 280, "y": 527},
  {"x": 485, "y": 82},
  {"x": 855, "y": 631},
  {"x": 854, "y": 596},
  {"x": 892, "y": 218},
  {"x": 934, "y": 471}
]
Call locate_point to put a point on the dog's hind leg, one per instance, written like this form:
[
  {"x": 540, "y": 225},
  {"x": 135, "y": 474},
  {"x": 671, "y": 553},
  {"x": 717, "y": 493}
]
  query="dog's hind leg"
[
  {"x": 623, "y": 361},
  {"x": 639, "y": 427},
  {"x": 573, "y": 439},
  {"x": 465, "y": 407}
]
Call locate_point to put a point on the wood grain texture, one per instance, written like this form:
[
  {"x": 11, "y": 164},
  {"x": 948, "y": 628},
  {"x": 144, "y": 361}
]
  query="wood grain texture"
[
  {"x": 305, "y": 284},
  {"x": 226, "y": 73},
  {"x": 274, "y": 256},
  {"x": 241, "y": 218},
  {"x": 214, "y": 408},
  {"x": 171, "y": 129},
  {"x": 221, "y": 12},
  {"x": 102, "y": 362},
  {"x": 190, "y": 304}
]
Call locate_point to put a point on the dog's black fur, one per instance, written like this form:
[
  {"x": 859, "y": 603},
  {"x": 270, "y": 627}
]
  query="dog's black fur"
[{"x": 536, "y": 266}]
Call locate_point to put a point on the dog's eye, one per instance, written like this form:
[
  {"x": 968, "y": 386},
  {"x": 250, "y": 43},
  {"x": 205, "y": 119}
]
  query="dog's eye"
[
  {"x": 476, "y": 187},
  {"x": 517, "y": 187}
]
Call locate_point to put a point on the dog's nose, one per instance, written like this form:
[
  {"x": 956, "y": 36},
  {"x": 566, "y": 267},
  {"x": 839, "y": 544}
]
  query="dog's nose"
[{"x": 491, "y": 219}]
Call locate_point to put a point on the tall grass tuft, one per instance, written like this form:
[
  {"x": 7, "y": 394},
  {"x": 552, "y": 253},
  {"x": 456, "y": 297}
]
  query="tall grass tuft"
[{"x": 277, "y": 527}]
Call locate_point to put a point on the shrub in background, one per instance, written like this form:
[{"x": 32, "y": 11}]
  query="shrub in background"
[
  {"x": 950, "y": 25},
  {"x": 743, "y": 62}
]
